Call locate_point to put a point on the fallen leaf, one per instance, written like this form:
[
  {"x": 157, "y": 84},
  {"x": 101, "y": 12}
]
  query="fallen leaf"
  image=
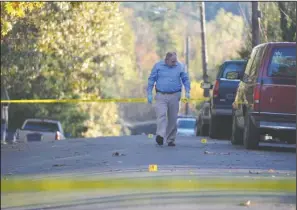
[
  {"x": 247, "y": 203},
  {"x": 58, "y": 165},
  {"x": 228, "y": 153},
  {"x": 253, "y": 172},
  {"x": 116, "y": 154}
]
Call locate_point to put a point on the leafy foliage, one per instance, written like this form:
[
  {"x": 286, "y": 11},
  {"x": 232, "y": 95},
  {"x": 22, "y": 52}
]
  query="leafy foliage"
[
  {"x": 70, "y": 51},
  {"x": 277, "y": 24},
  {"x": 288, "y": 20},
  {"x": 12, "y": 11}
]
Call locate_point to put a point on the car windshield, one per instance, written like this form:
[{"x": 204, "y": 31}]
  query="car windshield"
[
  {"x": 283, "y": 62},
  {"x": 233, "y": 67},
  {"x": 41, "y": 126},
  {"x": 186, "y": 124}
]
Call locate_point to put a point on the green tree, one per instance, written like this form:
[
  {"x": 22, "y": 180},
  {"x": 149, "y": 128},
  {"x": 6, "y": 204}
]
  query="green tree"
[
  {"x": 70, "y": 50},
  {"x": 270, "y": 22},
  {"x": 288, "y": 20},
  {"x": 11, "y": 12},
  {"x": 224, "y": 37},
  {"x": 278, "y": 23}
]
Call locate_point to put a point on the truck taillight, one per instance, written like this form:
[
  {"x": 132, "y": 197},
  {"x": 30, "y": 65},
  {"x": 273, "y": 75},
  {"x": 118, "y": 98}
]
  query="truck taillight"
[
  {"x": 216, "y": 89},
  {"x": 58, "y": 136},
  {"x": 257, "y": 95}
]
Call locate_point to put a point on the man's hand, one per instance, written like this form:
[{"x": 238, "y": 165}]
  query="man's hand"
[
  {"x": 187, "y": 95},
  {"x": 150, "y": 98}
]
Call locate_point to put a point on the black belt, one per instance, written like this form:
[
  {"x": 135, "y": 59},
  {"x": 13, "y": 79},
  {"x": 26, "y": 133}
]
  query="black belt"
[{"x": 167, "y": 92}]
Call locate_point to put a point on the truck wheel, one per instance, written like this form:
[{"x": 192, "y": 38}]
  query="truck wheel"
[
  {"x": 251, "y": 134},
  {"x": 213, "y": 127},
  {"x": 289, "y": 137},
  {"x": 237, "y": 133},
  {"x": 291, "y": 141}
]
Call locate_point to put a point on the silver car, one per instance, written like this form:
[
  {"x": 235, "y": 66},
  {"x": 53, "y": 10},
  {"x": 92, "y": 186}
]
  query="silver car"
[{"x": 186, "y": 126}]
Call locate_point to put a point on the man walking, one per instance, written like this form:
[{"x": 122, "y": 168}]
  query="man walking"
[{"x": 167, "y": 76}]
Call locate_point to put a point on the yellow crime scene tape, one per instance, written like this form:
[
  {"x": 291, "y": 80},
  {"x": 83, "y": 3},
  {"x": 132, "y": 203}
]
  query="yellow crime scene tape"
[
  {"x": 128, "y": 100},
  {"x": 223, "y": 184}
]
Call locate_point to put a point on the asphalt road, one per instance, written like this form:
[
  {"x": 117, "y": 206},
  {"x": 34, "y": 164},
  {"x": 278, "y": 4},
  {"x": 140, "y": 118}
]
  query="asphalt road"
[{"x": 130, "y": 156}]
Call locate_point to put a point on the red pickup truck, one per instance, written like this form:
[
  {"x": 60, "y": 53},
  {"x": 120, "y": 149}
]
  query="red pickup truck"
[{"x": 265, "y": 102}]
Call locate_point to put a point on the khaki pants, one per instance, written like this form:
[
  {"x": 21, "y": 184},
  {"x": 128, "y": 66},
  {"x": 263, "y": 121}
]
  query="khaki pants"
[{"x": 167, "y": 107}]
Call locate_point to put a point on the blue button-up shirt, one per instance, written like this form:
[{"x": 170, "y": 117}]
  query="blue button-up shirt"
[{"x": 168, "y": 79}]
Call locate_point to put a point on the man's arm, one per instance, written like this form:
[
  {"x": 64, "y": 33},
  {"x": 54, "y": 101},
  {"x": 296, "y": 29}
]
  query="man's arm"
[
  {"x": 186, "y": 81},
  {"x": 151, "y": 80}
]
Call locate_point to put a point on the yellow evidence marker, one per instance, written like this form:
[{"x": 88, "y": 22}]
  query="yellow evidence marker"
[
  {"x": 153, "y": 168},
  {"x": 150, "y": 136},
  {"x": 203, "y": 141}
]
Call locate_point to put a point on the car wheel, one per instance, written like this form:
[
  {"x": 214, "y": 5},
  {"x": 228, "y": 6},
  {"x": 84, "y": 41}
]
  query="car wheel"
[
  {"x": 213, "y": 127},
  {"x": 251, "y": 134},
  {"x": 237, "y": 133},
  {"x": 291, "y": 141},
  {"x": 289, "y": 137}
]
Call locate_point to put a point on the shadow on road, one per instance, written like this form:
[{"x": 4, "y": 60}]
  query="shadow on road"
[
  {"x": 277, "y": 149},
  {"x": 268, "y": 146}
]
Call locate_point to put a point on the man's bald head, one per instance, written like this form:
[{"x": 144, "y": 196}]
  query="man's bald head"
[{"x": 171, "y": 59}]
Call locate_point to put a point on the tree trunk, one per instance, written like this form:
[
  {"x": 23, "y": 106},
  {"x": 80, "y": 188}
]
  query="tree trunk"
[{"x": 283, "y": 21}]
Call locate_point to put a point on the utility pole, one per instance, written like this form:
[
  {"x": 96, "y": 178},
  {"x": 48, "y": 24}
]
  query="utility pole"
[
  {"x": 204, "y": 48},
  {"x": 255, "y": 23},
  {"x": 187, "y": 65}
]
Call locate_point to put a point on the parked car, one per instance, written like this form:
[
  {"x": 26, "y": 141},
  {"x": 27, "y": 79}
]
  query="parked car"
[
  {"x": 186, "y": 126},
  {"x": 265, "y": 102},
  {"x": 40, "y": 130},
  {"x": 203, "y": 117},
  {"x": 222, "y": 95}
]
